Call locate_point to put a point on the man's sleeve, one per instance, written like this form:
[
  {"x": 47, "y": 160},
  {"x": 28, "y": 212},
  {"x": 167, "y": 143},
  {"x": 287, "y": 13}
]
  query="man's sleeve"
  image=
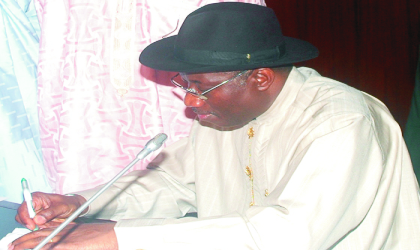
[{"x": 166, "y": 192}]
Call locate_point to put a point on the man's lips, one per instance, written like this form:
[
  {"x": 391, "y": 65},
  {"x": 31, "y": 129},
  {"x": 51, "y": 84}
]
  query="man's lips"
[{"x": 202, "y": 114}]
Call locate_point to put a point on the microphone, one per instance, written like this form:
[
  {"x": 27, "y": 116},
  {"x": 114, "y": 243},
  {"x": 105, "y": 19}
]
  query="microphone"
[{"x": 153, "y": 144}]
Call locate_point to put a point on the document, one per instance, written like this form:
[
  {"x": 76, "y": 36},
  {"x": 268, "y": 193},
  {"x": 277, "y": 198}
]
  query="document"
[{"x": 9, "y": 238}]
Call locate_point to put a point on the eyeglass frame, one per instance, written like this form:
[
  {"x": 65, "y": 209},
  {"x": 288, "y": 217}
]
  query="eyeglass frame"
[{"x": 201, "y": 96}]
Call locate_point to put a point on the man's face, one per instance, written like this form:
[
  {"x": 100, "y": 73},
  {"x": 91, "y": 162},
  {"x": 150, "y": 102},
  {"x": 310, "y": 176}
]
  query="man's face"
[{"x": 230, "y": 105}]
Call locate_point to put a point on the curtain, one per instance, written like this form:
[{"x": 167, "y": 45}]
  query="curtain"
[
  {"x": 98, "y": 106},
  {"x": 20, "y": 147},
  {"x": 368, "y": 44},
  {"x": 412, "y": 129}
]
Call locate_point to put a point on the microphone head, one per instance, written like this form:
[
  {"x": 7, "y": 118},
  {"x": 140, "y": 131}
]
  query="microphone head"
[
  {"x": 156, "y": 142},
  {"x": 153, "y": 144}
]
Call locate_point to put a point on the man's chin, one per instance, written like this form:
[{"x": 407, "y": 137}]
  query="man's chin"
[{"x": 220, "y": 127}]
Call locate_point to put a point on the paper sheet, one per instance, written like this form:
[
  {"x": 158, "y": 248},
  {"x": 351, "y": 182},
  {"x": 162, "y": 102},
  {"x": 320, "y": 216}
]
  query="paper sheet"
[{"x": 12, "y": 236}]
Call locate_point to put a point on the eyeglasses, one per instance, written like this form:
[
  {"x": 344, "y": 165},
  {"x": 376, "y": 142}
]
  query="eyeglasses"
[{"x": 195, "y": 92}]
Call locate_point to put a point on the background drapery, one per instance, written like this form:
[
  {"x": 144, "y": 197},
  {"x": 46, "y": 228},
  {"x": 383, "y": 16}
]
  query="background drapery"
[
  {"x": 369, "y": 44},
  {"x": 98, "y": 106},
  {"x": 20, "y": 147},
  {"x": 412, "y": 129}
]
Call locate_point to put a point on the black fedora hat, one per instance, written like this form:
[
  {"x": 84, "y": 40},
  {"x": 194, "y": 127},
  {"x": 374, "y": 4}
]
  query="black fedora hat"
[{"x": 227, "y": 36}]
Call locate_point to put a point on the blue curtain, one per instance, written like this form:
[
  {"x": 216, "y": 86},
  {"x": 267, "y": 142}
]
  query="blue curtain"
[
  {"x": 20, "y": 149},
  {"x": 412, "y": 129}
]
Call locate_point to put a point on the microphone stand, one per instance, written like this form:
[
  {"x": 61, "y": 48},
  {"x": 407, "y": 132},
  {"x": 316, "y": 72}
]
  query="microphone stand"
[{"x": 150, "y": 146}]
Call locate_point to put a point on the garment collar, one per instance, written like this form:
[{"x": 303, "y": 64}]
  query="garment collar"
[{"x": 285, "y": 98}]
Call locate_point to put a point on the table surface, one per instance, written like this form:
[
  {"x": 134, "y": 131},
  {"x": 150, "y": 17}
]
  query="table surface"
[{"x": 7, "y": 218}]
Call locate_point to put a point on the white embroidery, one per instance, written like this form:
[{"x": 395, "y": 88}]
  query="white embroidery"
[{"x": 122, "y": 52}]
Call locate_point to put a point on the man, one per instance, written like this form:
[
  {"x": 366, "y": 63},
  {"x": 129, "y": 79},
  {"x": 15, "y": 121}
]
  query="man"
[{"x": 280, "y": 157}]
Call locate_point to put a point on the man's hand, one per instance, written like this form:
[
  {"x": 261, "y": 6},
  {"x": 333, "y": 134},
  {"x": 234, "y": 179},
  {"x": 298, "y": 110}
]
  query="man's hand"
[
  {"x": 100, "y": 236},
  {"x": 50, "y": 209}
]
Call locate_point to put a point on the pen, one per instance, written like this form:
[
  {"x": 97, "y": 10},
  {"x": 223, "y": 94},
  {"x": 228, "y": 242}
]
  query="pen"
[{"x": 28, "y": 198}]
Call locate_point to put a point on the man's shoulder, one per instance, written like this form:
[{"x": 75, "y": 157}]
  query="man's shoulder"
[
  {"x": 325, "y": 96},
  {"x": 324, "y": 99}
]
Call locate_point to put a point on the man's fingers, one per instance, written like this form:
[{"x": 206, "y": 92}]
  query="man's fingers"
[
  {"x": 32, "y": 243},
  {"x": 23, "y": 217},
  {"x": 33, "y": 239},
  {"x": 48, "y": 208},
  {"x": 53, "y": 223},
  {"x": 54, "y": 212}
]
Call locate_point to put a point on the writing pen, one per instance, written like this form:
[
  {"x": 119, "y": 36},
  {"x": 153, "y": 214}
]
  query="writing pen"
[{"x": 28, "y": 198}]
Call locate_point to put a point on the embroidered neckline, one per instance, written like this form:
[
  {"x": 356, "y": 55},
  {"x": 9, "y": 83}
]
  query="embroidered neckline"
[{"x": 248, "y": 170}]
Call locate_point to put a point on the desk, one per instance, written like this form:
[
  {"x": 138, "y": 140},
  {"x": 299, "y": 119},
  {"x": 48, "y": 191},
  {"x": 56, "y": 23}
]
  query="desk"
[{"x": 7, "y": 217}]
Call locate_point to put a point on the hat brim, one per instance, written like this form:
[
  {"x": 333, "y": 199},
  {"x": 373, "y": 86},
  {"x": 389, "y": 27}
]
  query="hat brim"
[{"x": 160, "y": 55}]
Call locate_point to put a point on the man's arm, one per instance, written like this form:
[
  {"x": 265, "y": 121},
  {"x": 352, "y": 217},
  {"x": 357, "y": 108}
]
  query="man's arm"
[{"x": 151, "y": 193}]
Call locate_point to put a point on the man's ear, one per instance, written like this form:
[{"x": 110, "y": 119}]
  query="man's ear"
[{"x": 263, "y": 78}]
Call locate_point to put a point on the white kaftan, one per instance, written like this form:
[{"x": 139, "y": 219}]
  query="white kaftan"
[{"x": 330, "y": 170}]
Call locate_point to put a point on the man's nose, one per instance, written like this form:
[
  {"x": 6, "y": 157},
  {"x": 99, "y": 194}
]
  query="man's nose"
[{"x": 193, "y": 101}]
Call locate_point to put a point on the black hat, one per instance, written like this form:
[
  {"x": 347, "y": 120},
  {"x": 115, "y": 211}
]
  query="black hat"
[{"x": 227, "y": 36}]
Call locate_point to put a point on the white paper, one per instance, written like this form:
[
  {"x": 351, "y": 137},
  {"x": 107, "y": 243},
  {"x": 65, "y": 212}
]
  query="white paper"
[{"x": 9, "y": 238}]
